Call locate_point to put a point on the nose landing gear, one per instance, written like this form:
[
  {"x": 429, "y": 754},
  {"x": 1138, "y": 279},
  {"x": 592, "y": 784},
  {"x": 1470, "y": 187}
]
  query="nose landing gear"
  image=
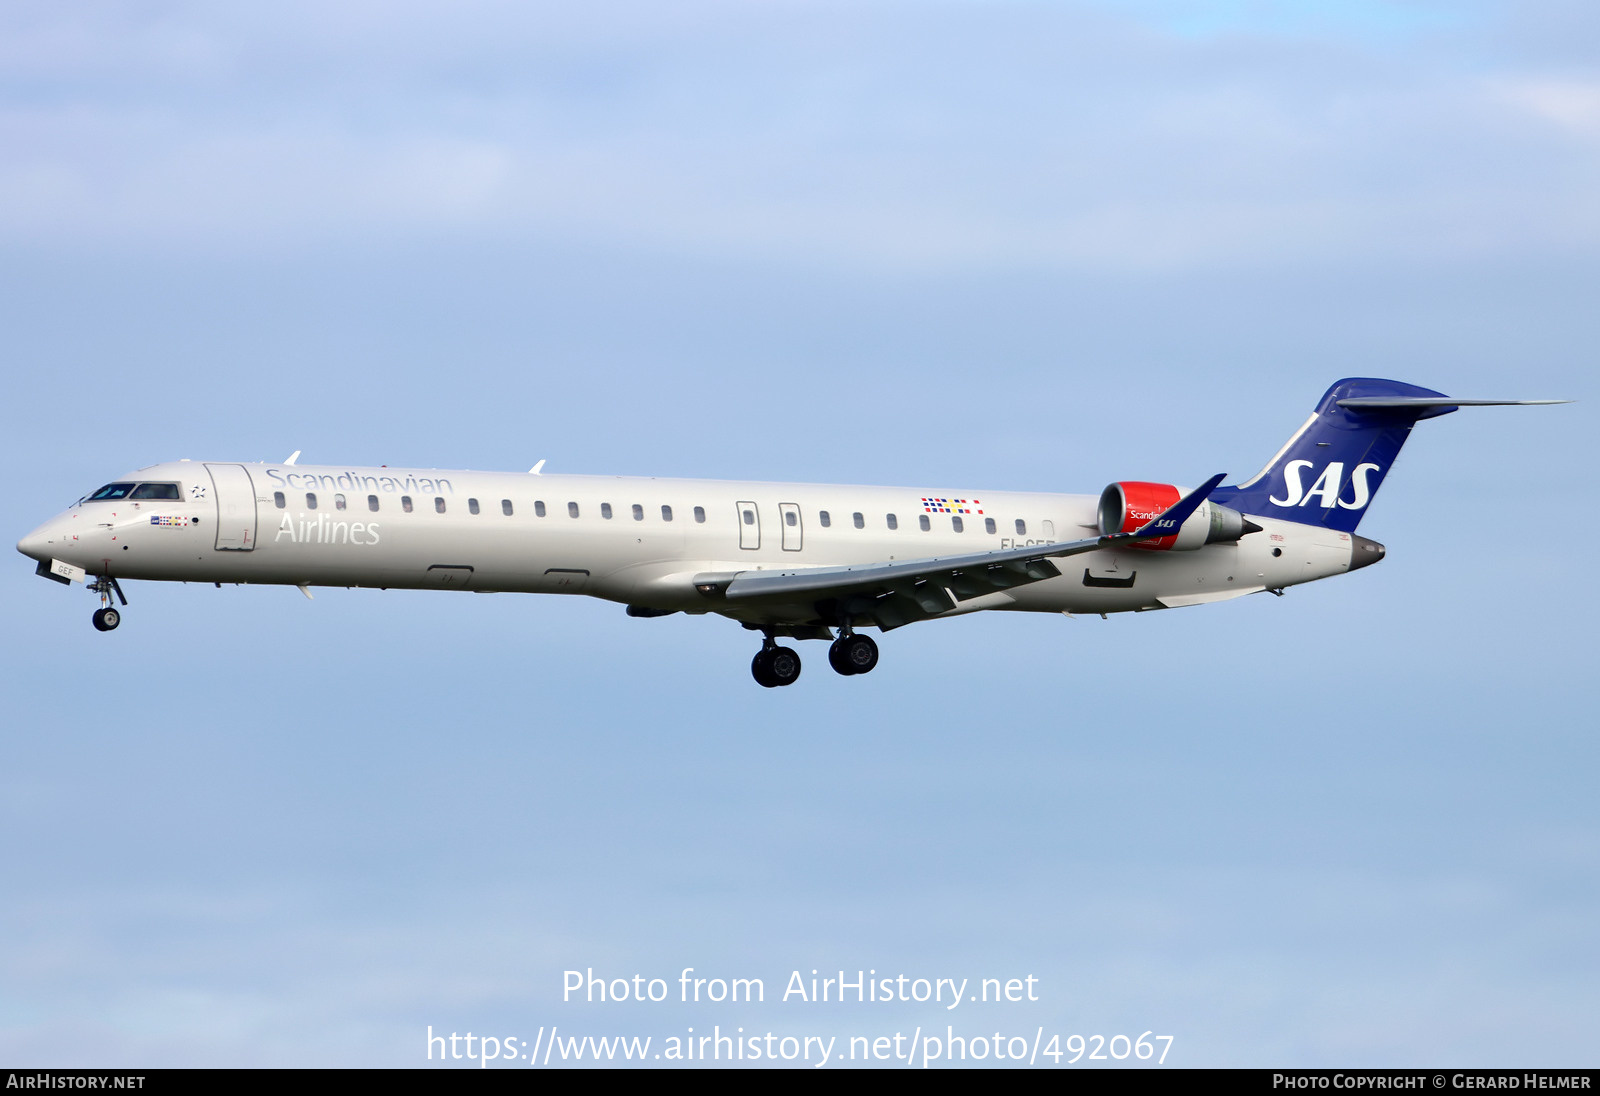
[{"x": 106, "y": 617}]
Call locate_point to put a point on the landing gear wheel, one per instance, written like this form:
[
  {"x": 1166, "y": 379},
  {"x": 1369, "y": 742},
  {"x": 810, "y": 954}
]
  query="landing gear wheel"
[
  {"x": 760, "y": 671},
  {"x": 775, "y": 666},
  {"x": 853, "y": 654},
  {"x": 836, "y": 658},
  {"x": 106, "y": 619},
  {"x": 784, "y": 665}
]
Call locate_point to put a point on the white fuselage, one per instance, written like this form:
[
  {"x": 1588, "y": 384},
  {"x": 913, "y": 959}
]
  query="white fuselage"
[{"x": 640, "y": 541}]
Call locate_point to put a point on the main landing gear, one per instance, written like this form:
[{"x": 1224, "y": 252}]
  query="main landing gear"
[
  {"x": 106, "y": 617},
  {"x": 774, "y": 665},
  {"x": 850, "y": 654},
  {"x": 853, "y": 653}
]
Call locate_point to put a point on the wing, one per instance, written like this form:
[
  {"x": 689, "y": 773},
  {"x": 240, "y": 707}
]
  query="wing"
[{"x": 894, "y": 594}]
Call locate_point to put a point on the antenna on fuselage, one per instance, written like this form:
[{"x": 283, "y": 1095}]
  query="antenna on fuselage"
[
  {"x": 293, "y": 457},
  {"x": 537, "y": 470}
]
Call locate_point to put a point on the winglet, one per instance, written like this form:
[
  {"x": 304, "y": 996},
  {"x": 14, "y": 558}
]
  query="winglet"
[{"x": 1169, "y": 521}]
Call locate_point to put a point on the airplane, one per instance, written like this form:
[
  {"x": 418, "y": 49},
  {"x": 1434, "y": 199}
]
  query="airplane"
[{"x": 796, "y": 561}]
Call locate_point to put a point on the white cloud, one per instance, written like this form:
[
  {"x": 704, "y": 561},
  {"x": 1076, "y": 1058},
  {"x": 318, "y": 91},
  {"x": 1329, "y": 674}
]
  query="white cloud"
[
  {"x": 1573, "y": 105},
  {"x": 874, "y": 136}
]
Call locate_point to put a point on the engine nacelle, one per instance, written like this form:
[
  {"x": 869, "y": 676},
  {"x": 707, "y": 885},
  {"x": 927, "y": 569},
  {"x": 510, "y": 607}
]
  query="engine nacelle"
[{"x": 1128, "y": 505}]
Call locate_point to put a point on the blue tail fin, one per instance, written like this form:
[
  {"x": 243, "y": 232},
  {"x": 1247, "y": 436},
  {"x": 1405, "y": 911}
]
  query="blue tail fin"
[{"x": 1330, "y": 470}]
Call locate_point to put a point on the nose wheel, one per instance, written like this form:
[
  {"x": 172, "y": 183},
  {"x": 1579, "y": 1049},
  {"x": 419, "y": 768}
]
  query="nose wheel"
[
  {"x": 106, "y": 617},
  {"x": 774, "y": 666},
  {"x": 853, "y": 654}
]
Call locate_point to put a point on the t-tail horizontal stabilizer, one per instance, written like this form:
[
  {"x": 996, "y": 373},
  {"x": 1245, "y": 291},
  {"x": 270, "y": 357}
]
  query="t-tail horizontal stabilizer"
[
  {"x": 1328, "y": 472},
  {"x": 1421, "y": 402}
]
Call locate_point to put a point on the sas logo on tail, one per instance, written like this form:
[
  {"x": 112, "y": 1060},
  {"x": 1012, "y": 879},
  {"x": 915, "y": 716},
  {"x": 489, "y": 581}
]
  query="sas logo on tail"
[{"x": 1326, "y": 486}]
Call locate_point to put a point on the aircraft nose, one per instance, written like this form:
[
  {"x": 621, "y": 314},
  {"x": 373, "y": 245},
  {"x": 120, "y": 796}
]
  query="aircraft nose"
[
  {"x": 39, "y": 543},
  {"x": 1364, "y": 552},
  {"x": 32, "y": 545}
]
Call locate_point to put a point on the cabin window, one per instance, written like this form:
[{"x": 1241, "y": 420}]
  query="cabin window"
[
  {"x": 311, "y": 500},
  {"x": 572, "y": 509},
  {"x": 438, "y": 505},
  {"x": 824, "y": 518},
  {"x": 638, "y": 512},
  {"x": 894, "y": 522},
  {"x": 538, "y": 508},
  {"x": 988, "y": 525},
  {"x": 505, "y": 507},
  {"x": 666, "y": 513},
  {"x": 605, "y": 510},
  {"x": 1022, "y": 528},
  {"x": 749, "y": 517},
  {"x": 955, "y": 523},
  {"x": 857, "y": 520},
  {"x": 338, "y": 502},
  {"x": 790, "y": 518},
  {"x": 278, "y": 500},
  {"x": 157, "y": 491},
  {"x": 472, "y": 506},
  {"x": 700, "y": 514},
  {"x": 405, "y": 503},
  {"x": 922, "y": 520},
  {"x": 372, "y": 503}
]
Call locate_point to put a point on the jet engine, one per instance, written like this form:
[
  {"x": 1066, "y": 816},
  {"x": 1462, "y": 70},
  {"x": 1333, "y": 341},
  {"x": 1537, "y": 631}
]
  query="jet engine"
[{"x": 1127, "y": 505}]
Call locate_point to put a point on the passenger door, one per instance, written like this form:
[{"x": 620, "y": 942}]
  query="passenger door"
[{"x": 236, "y": 507}]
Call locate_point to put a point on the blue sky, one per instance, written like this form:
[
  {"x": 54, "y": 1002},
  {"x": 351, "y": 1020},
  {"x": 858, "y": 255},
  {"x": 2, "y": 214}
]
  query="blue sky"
[{"x": 989, "y": 245}]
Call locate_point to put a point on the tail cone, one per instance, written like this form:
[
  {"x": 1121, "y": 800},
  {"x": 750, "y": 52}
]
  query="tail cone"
[{"x": 1364, "y": 552}]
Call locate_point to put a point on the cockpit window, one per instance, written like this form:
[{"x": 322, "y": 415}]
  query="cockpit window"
[
  {"x": 156, "y": 491},
  {"x": 111, "y": 491}
]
